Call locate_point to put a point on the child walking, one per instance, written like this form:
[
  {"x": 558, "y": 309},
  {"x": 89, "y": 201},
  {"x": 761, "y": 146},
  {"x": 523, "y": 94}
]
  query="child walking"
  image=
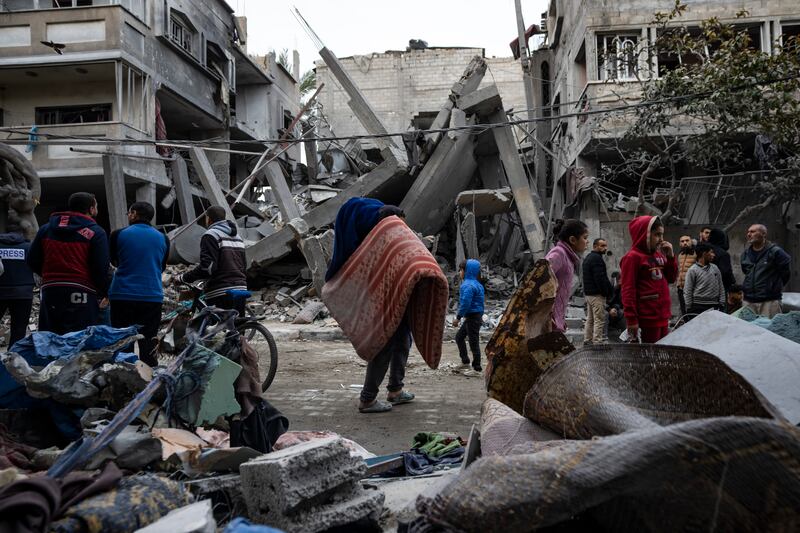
[{"x": 470, "y": 308}]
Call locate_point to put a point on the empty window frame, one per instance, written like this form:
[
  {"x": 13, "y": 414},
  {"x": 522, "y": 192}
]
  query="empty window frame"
[
  {"x": 618, "y": 56},
  {"x": 181, "y": 32},
  {"x": 136, "y": 99},
  {"x": 73, "y": 114}
]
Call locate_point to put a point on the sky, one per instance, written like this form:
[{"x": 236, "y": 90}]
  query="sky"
[{"x": 358, "y": 27}]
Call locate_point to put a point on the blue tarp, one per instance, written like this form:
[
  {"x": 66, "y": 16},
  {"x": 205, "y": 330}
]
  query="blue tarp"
[
  {"x": 42, "y": 348},
  {"x": 241, "y": 525}
]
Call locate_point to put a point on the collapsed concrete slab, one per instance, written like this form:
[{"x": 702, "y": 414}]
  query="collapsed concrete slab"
[
  {"x": 769, "y": 362},
  {"x": 280, "y": 244},
  {"x": 308, "y": 487},
  {"x": 486, "y": 202}
]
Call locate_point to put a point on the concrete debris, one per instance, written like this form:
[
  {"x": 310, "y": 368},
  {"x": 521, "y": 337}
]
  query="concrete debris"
[{"x": 312, "y": 486}]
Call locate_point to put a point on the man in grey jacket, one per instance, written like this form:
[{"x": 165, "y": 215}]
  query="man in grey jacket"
[{"x": 703, "y": 288}]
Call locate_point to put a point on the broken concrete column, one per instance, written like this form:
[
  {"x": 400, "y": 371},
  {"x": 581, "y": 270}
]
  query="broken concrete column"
[
  {"x": 209, "y": 180},
  {"x": 358, "y": 103},
  {"x": 115, "y": 192},
  {"x": 183, "y": 189},
  {"x": 309, "y": 487},
  {"x": 487, "y": 104}
]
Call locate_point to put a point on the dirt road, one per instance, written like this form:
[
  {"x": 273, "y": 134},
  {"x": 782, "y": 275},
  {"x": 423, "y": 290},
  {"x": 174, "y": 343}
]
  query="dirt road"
[{"x": 318, "y": 383}]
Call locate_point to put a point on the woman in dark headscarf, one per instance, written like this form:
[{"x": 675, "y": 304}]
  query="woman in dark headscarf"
[{"x": 356, "y": 218}]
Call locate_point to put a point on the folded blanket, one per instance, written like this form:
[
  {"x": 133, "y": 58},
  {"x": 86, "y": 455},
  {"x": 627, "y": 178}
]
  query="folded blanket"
[{"x": 390, "y": 275}]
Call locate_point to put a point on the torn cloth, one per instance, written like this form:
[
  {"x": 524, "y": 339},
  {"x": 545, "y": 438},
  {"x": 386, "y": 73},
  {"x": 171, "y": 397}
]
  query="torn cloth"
[
  {"x": 136, "y": 502},
  {"x": 31, "y": 504},
  {"x": 390, "y": 275}
]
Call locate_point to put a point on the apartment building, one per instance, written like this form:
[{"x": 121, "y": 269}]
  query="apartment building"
[
  {"x": 590, "y": 61},
  {"x": 129, "y": 71}
]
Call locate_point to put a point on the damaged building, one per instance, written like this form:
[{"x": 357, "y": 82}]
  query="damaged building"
[
  {"x": 75, "y": 72},
  {"x": 594, "y": 59}
]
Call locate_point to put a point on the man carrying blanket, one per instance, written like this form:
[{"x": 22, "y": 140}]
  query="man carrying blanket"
[{"x": 382, "y": 286}]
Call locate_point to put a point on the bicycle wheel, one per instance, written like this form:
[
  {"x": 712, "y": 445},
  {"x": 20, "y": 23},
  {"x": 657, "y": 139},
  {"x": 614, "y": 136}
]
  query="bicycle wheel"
[{"x": 257, "y": 335}]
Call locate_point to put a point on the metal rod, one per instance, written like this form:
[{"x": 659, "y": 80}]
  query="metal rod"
[{"x": 107, "y": 152}]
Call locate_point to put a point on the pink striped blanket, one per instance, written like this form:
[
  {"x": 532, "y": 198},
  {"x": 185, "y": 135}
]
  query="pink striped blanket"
[{"x": 391, "y": 273}]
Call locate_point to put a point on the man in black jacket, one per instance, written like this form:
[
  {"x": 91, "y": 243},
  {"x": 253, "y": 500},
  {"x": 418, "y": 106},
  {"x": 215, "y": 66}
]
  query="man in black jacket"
[
  {"x": 720, "y": 244},
  {"x": 16, "y": 283},
  {"x": 596, "y": 289},
  {"x": 767, "y": 268},
  {"x": 222, "y": 262}
]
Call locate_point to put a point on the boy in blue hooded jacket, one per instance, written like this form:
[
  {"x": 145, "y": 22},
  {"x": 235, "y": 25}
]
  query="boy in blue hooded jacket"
[{"x": 470, "y": 308}]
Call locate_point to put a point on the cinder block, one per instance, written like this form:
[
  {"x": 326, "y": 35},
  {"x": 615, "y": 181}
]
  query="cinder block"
[
  {"x": 292, "y": 480},
  {"x": 345, "y": 509}
]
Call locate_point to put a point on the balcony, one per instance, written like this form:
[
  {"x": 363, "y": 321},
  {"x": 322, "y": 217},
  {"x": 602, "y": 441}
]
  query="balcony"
[{"x": 87, "y": 33}]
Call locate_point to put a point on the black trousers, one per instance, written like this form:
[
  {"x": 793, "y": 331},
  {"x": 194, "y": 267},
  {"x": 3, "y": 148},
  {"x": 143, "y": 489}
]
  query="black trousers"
[
  {"x": 228, "y": 302},
  {"x": 146, "y": 315},
  {"x": 20, "y": 311},
  {"x": 682, "y": 301},
  {"x": 66, "y": 309},
  {"x": 470, "y": 329},
  {"x": 393, "y": 357},
  {"x": 696, "y": 309}
]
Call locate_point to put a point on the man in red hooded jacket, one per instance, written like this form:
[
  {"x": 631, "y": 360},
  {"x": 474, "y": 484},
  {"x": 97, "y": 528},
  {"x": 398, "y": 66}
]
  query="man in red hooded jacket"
[{"x": 647, "y": 270}]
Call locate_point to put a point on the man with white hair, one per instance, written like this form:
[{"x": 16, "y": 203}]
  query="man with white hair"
[{"x": 766, "y": 268}]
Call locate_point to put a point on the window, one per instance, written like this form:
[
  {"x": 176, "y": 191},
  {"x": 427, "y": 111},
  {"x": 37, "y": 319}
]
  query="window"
[
  {"x": 216, "y": 60},
  {"x": 790, "y": 36},
  {"x": 74, "y": 114},
  {"x": 617, "y": 56},
  {"x": 72, "y": 3},
  {"x": 181, "y": 32}
]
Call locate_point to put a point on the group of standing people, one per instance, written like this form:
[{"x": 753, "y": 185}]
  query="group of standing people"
[
  {"x": 82, "y": 270},
  {"x": 640, "y": 294},
  {"x": 706, "y": 279}
]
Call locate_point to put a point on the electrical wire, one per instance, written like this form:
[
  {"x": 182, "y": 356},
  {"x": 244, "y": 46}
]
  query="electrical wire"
[{"x": 474, "y": 129}]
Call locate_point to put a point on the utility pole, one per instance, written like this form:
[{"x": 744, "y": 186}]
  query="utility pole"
[{"x": 525, "y": 61}]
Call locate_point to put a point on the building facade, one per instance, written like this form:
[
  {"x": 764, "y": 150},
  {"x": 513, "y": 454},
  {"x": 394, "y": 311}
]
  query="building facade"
[
  {"x": 135, "y": 70},
  {"x": 591, "y": 61},
  {"x": 408, "y": 88}
]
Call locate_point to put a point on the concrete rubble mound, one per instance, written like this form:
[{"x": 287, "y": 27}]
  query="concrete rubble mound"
[{"x": 312, "y": 486}]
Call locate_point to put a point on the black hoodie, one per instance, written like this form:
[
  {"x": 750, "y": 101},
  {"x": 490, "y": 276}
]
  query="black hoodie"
[
  {"x": 719, "y": 241},
  {"x": 222, "y": 260},
  {"x": 16, "y": 283}
]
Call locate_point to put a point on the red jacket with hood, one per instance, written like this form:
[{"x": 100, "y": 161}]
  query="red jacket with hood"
[{"x": 645, "y": 279}]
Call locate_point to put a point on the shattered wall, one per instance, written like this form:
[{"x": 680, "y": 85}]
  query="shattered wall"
[{"x": 402, "y": 85}]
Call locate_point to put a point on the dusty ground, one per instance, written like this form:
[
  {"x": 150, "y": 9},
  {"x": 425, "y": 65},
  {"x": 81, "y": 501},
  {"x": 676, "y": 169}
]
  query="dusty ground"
[{"x": 318, "y": 383}]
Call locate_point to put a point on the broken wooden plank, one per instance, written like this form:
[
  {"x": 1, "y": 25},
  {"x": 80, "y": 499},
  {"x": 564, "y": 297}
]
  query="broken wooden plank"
[
  {"x": 183, "y": 190},
  {"x": 115, "y": 192},
  {"x": 484, "y": 202},
  {"x": 209, "y": 180}
]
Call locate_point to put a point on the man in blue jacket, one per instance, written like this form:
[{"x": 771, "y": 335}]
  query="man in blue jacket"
[
  {"x": 767, "y": 268},
  {"x": 140, "y": 254},
  {"x": 470, "y": 308},
  {"x": 16, "y": 283},
  {"x": 70, "y": 253}
]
